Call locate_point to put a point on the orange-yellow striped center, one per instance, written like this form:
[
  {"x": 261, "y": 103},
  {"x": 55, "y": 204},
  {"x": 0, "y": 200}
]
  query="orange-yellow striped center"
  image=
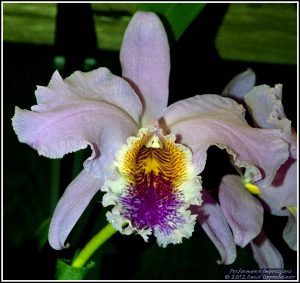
[{"x": 161, "y": 157}]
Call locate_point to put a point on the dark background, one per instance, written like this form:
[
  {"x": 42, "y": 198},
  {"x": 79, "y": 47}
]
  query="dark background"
[{"x": 196, "y": 69}]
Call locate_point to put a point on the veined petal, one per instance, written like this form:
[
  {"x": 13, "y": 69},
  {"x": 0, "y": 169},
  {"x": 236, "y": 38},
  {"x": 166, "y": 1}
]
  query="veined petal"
[
  {"x": 213, "y": 222},
  {"x": 75, "y": 199},
  {"x": 99, "y": 85},
  {"x": 206, "y": 120},
  {"x": 264, "y": 104},
  {"x": 290, "y": 232},
  {"x": 240, "y": 85},
  {"x": 156, "y": 185},
  {"x": 265, "y": 254},
  {"x": 243, "y": 212},
  {"x": 145, "y": 60},
  {"x": 73, "y": 114}
]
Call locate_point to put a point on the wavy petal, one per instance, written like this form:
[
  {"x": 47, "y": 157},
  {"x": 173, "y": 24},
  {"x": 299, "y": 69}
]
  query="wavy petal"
[
  {"x": 70, "y": 207},
  {"x": 145, "y": 60},
  {"x": 85, "y": 109},
  {"x": 243, "y": 212},
  {"x": 206, "y": 120},
  {"x": 99, "y": 85},
  {"x": 240, "y": 85},
  {"x": 264, "y": 104},
  {"x": 213, "y": 222},
  {"x": 265, "y": 254}
]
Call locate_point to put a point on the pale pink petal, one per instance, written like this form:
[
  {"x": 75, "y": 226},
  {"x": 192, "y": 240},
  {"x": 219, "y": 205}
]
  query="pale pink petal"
[
  {"x": 264, "y": 104},
  {"x": 212, "y": 220},
  {"x": 240, "y": 85},
  {"x": 206, "y": 120},
  {"x": 242, "y": 210},
  {"x": 75, "y": 199},
  {"x": 290, "y": 233},
  {"x": 77, "y": 112},
  {"x": 145, "y": 60},
  {"x": 265, "y": 254},
  {"x": 99, "y": 85},
  {"x": 283, "y": 192}
]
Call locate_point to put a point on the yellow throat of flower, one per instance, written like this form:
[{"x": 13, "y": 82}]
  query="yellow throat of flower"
[{"x": 153, "y": 152}]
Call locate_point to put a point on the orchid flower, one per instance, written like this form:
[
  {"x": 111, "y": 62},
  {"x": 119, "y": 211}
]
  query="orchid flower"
[
  {"x": 280, "y": 197},
  {"x": 146, "y": 155}
]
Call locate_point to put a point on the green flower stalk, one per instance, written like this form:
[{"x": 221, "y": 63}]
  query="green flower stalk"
[{"x": 99, "y": 239}]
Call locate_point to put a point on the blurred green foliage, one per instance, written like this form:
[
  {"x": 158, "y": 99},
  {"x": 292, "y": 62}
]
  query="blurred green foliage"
[
  {"x": 255, "y": 32},
  {"x": 259, "y": 33},
  {"x": 178, "y": 15}
]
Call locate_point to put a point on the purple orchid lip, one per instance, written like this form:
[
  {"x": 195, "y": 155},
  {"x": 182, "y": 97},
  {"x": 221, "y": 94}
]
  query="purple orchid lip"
[
  {"x": 153, "y": 203},
  {"x": 157, "y": 183}
]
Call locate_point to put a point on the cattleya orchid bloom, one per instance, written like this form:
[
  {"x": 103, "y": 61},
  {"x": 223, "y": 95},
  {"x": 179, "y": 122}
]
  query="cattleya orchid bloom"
[
  {"x": 280, "y": 197},
  {"x": 146, "y": 156}
]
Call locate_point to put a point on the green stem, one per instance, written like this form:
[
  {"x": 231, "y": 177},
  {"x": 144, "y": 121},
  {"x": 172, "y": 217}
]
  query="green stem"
[{"x": 93, "y": 245}]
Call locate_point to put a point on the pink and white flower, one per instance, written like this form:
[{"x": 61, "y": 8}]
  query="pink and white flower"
[{"x": 146, "y": 155}]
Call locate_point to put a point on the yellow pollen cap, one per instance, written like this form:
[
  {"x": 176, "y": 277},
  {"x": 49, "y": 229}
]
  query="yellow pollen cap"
[{"x": 252, "y": 188}]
